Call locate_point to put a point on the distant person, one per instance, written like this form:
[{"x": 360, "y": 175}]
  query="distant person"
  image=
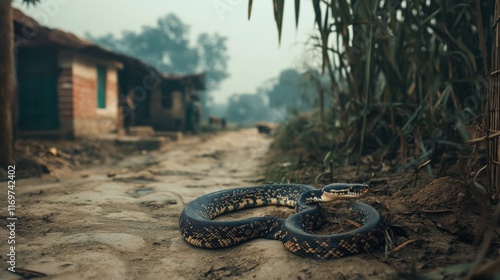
[
  {"x": 193, "y": 114},
  {"x": 127, "y": 111}
]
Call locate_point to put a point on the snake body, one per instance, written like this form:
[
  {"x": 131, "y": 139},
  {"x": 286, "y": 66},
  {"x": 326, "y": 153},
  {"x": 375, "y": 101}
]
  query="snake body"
[{"x": 199, "y": 229}]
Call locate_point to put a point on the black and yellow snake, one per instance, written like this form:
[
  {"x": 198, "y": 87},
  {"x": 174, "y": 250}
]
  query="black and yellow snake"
[{"x": 198, "y": 228}]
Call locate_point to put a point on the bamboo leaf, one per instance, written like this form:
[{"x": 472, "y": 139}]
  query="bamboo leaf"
[
  {"x": 279, "y": 6},
  {"x": 31, "y": 2},
  {"x": 250, "y": 3},
  {"x": 431, "y": 16},
  {"x": 317, "y": 13},
  {"x": 443, "y": 99},
  {"x": 297, "y": 11},
  {"x": 415, "y": 118}
]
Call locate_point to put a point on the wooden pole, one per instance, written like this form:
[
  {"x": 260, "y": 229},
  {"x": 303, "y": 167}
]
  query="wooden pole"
[{"x": 6, "y": 84}]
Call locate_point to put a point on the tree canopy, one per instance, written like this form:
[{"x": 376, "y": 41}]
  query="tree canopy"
[{"x": 247, "y": 108}]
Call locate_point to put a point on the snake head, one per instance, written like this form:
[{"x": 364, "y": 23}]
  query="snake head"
[{"x": 343, "y": 191}]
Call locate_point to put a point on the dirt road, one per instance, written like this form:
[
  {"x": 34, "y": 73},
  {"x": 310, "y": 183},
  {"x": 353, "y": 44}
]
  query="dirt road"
[{"x": 88, "y": 225}]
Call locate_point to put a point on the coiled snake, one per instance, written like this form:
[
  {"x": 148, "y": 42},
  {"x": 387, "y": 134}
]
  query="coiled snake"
[{"x": 198, "y": 228}]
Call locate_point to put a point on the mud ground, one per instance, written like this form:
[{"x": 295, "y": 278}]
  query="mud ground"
[{"x": 119, "y": 220}]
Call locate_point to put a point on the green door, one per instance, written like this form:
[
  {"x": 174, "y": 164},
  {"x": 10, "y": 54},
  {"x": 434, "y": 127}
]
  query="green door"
[
  {"x": 37, "y": 90},
  {"x": 101, "y": 87}
]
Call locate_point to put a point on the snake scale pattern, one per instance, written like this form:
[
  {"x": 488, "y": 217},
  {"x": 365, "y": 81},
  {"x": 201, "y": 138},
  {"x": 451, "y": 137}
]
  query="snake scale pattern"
[{"x": 199, "y": 229}]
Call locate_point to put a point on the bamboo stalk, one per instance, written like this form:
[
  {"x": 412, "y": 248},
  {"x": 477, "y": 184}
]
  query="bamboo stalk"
[
  {"x": 493, "y": 112},
  {"x": 367, "y": 87}
]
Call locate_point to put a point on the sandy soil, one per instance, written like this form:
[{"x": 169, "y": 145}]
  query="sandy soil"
[{"x": 120, "y": 220}]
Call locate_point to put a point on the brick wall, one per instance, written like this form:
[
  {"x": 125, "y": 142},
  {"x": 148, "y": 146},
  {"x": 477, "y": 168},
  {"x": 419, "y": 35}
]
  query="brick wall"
[
  {"x": 79, "y": 114},
  {"x": 84, "y": 97}
]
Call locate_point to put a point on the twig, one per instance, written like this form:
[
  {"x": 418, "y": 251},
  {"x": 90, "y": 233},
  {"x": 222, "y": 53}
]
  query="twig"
[
  {"x": 389, "y": 240},
  {"x": 481, "y": 139},
  {"x": 438, "y": 211},
  {"x": 480, "y": 187},
  {"x": 331, "y": 170},
  {"x": 479, "y": 172},
  {"x": 424, "y": 164},
  {"x": 398, "y": 248},
  {"x": 28, "y": 274},
  {"x": 415, "y": 178},
  {"x": 417, "y": 170},
  {"x": 353, "y": 223}
]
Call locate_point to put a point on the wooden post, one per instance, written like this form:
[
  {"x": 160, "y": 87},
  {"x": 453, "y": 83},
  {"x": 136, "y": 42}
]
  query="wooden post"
[{"x": 6, "y": 84}]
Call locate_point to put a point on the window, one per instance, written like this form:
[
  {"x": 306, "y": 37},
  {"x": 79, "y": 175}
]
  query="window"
[{"x": 101, "y": 86}]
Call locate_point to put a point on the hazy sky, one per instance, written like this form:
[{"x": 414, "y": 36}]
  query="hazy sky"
[{"x": 255, "y": 55}]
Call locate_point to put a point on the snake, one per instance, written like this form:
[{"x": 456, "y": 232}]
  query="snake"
[{"x": 198, "y": 227}]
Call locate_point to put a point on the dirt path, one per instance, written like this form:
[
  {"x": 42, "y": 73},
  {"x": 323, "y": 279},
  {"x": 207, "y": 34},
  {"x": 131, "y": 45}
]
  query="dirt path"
[{"x": 126, "y": 226}]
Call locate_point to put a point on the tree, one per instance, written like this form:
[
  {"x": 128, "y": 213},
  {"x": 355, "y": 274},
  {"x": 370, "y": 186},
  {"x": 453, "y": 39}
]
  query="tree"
[
  {"x": 213, "y": 55},
  {"x": 247, "y": 108},
  {"x": 7, "y": 82},
  {"x": 165, "y": 46},
  {"x": 291, "y": 91}
]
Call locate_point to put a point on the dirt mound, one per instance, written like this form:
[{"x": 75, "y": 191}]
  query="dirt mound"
[
  {"x": 443, "y": 193},
  {"x": 450, "y": 205}
]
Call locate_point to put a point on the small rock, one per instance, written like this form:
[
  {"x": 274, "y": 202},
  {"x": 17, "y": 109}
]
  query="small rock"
[
  {"x": 39, "y": 192},
  {"x": 53, "y": 151}
]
